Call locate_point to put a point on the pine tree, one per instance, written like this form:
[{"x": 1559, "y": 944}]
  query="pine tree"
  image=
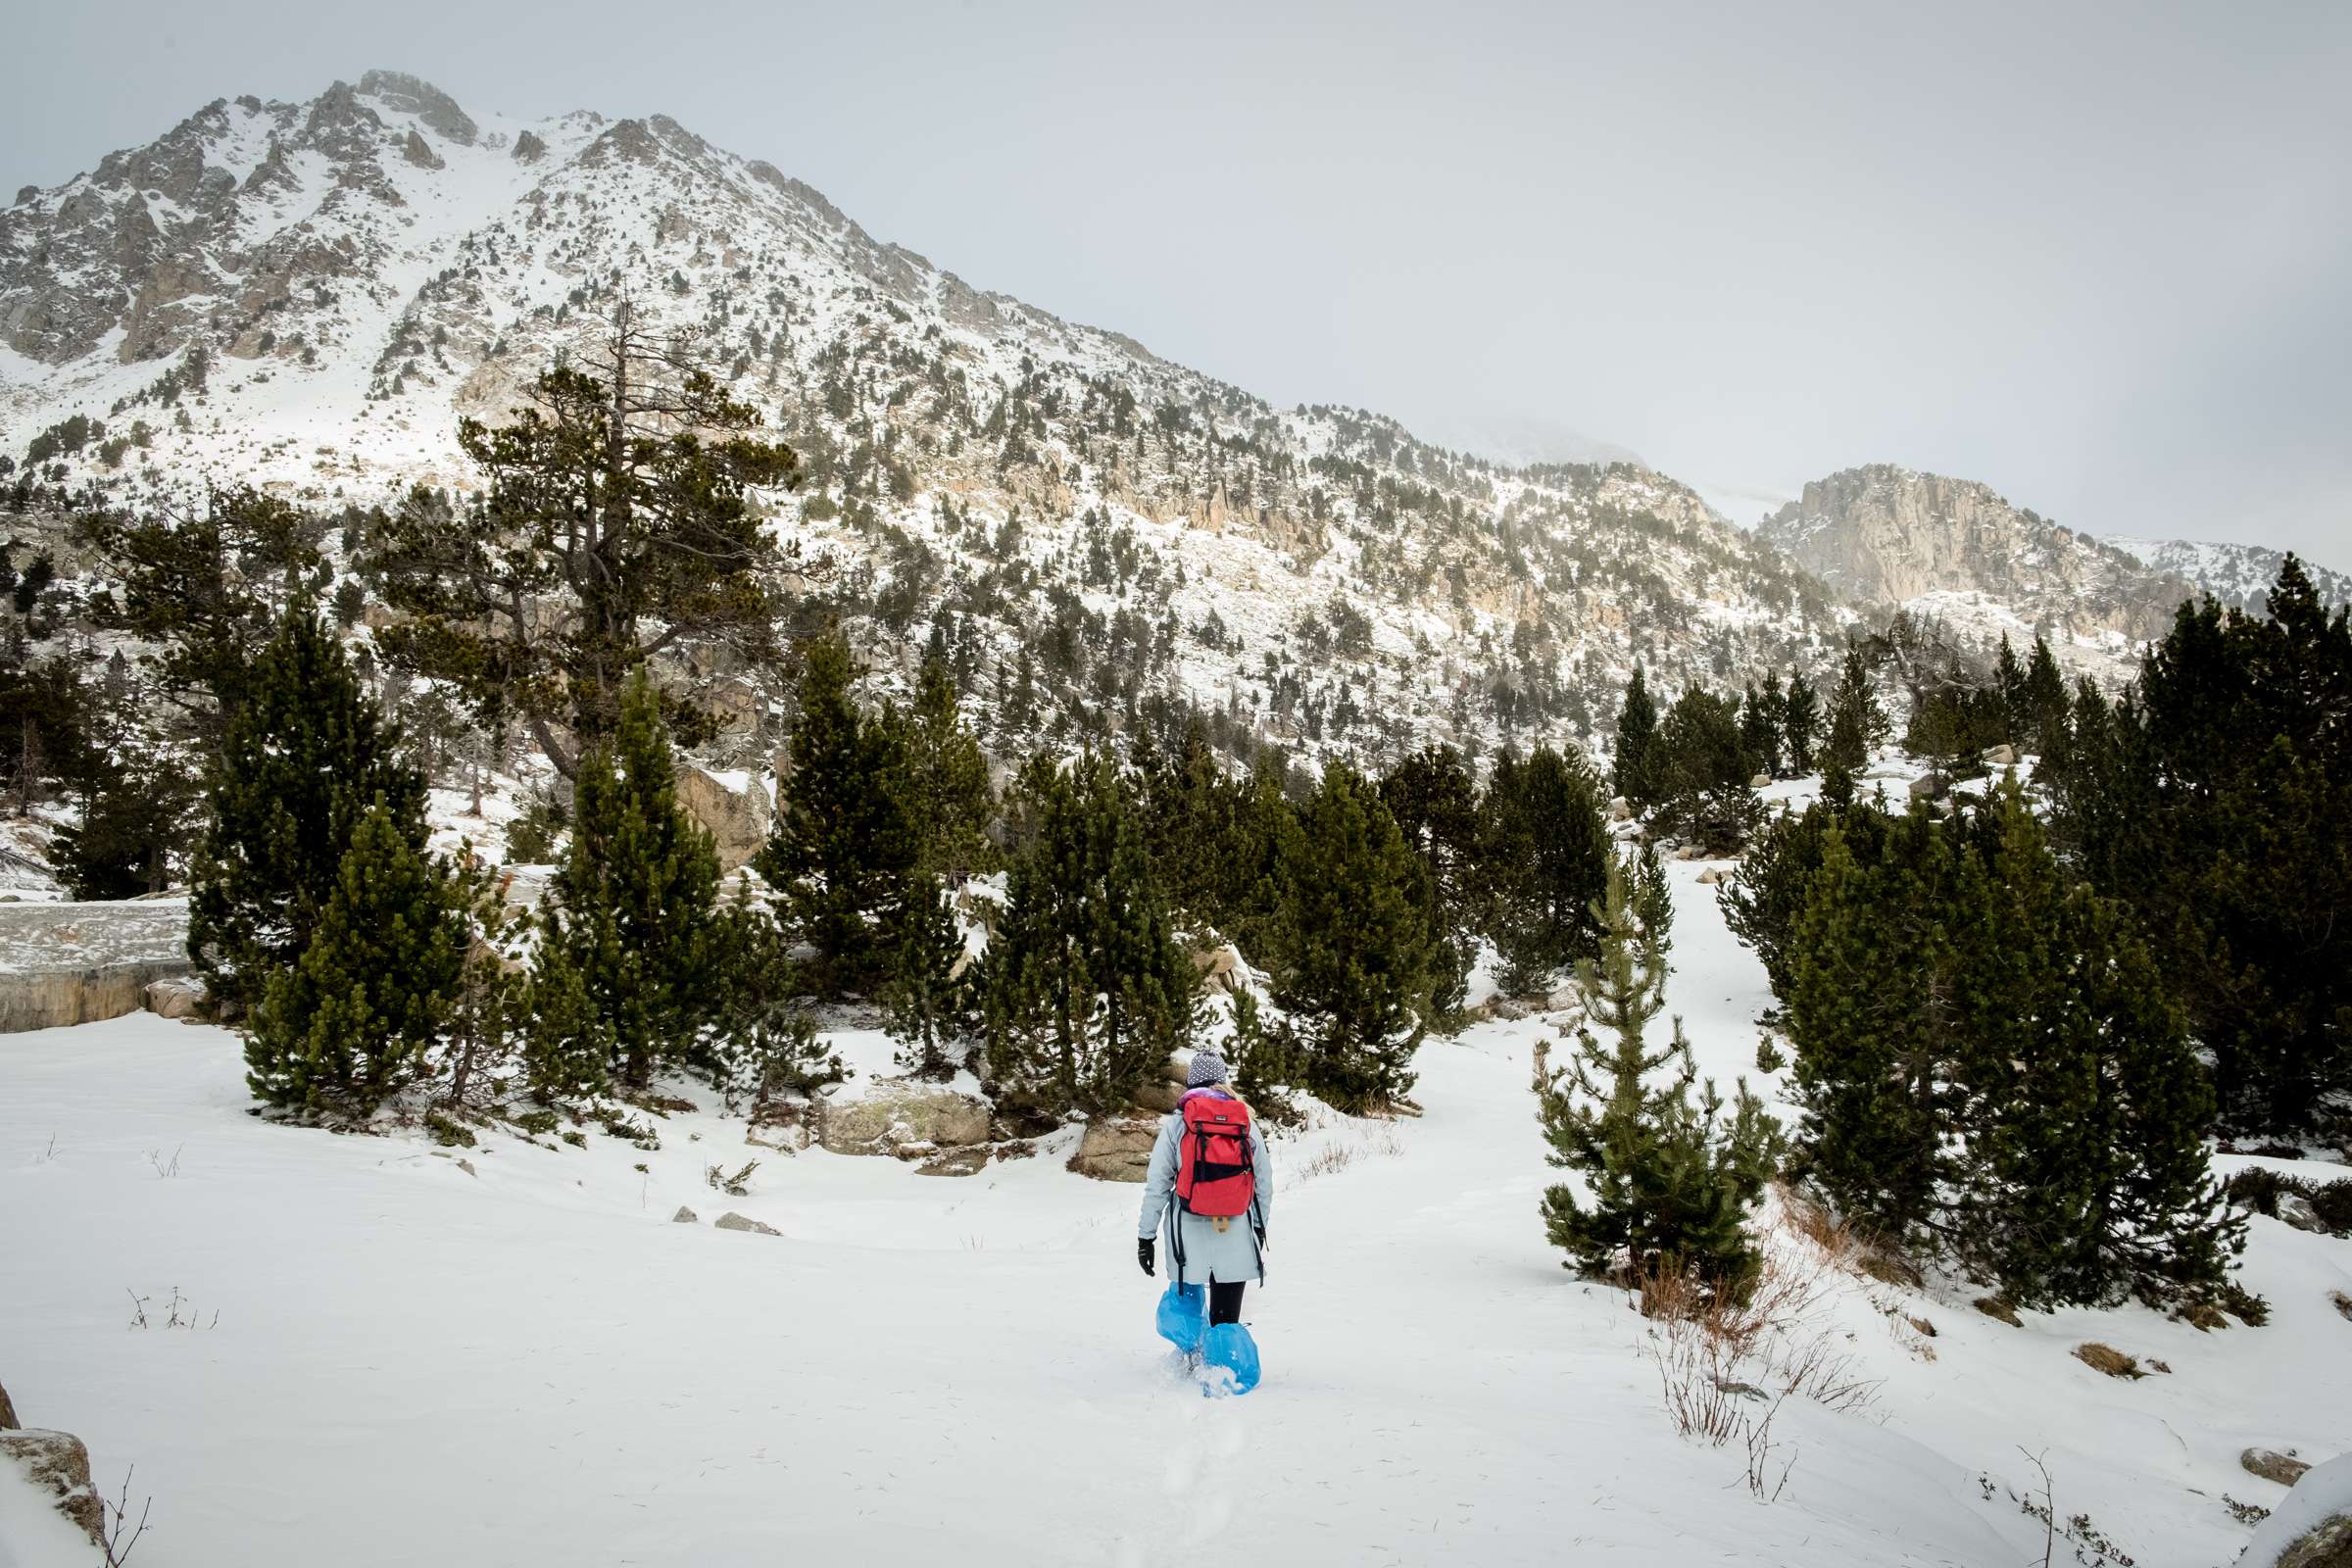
[
  {"x": 1546, "y": 850},
  {"x": 1801, "y": 719},
  {"x": 621, "y": 519},
  {"x": 1352, "y": 976},
  {"x": 351, "y": 1023},
  {"x": 1853, "y": 724},
  {"x": 1671, "y": 1183},
  {"x": 948, "y": 799},
  {"x": 2084, "y": 1110},
  {"x": 1435, "y": 803},
  {"x": 928, "y": 1001},
  {"x": 137, "y": 825},
  {"x": 2009, "y": 687},
  {"x": 634, "y": 942},
  {"x": 1871, "y": 1034},
  {"x": 1087, "y": 989},
  {"x": 1707, "y": 791},
  {"x": 1763, "y": 723},
  {"x": 301, "y": 761},
  {"x": 1635, "y": 772},
  {"x": 2044, "y": 702},
  {"x": 842, "y": 847}
]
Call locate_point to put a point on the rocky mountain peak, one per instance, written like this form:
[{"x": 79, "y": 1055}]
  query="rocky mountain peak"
[{"x": 413, "y": 95}]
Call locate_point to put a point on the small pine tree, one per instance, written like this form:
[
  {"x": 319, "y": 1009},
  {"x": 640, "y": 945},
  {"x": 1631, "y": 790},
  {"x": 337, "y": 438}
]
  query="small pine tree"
[
  {"x": 1546, "y": 850},
  {"x": 634, "y": 920},
  {"x": 1635, "y": 770},
  {"x": 2043, "y": 703},
  {"x": 1707, "y": 774},
  {"x": 135, "y": 830},
  {"x": 1353, "y": 975},
  {"x": 1671, "y": 1183},
  {"x": 301, "y": 760},
  {"x": 350, "y": 1023}
]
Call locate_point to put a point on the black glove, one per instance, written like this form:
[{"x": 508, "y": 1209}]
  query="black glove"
[{"x": 1143, "y": 1249}]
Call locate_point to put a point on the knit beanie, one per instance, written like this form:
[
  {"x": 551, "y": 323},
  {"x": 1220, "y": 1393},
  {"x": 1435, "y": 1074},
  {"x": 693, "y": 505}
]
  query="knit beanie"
[{"x": 1208, "y": 1068}]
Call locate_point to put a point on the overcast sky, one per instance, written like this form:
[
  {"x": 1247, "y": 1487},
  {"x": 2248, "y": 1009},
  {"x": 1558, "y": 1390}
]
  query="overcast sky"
[{"x": 2099, "y": 257}]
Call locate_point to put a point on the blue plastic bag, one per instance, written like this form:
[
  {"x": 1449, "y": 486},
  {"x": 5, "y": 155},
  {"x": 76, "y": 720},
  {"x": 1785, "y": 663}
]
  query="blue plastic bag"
[
  {"x": 1183, "y": 1315},
  {"x": 1230, "y": 1350}
]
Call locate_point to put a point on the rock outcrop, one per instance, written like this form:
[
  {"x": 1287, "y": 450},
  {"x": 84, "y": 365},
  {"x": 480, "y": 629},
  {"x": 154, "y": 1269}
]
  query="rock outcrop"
[
  {"x": 2312, "y": 1526},
  {"x": 734, "y": 811},
  {"x": 67, "y": 963},
  {"x": 57, "y": 1463},
  {"x": 1886, "y": 536},
  {"x": 891, "y": 1116},
  {"x": 1116, "y": 1149}
]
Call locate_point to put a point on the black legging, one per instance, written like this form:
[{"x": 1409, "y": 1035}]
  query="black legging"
[{"x": 1225, "y": 1300}]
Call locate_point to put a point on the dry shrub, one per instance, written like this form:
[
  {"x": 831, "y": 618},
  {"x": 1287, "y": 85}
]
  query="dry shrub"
[
  {"x": 1379, "y": 1139},
  {"x": 2108, "y": 1359},
  {"x": 1725, "y": 1364},
  {"x": 1993, "y": 1306}
]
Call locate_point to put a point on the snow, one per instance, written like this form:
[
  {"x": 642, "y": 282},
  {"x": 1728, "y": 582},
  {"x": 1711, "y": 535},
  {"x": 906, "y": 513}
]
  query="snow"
[
  {"x": 2324, "y": 1493},
  {"x": 32, "y": 1533},
  {"x": 531, "y": 1364}
]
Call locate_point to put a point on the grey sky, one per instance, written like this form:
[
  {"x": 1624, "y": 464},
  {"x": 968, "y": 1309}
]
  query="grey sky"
[{"x": 2100, "y": 256}]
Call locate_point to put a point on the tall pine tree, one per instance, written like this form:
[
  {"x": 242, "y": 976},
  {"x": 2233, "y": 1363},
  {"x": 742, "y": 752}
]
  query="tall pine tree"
[
  {"x": 634, "y": 946},
  {"x": 302, "y": 760},
  {"x": 1353, "y": 975},
  {"x": 843, "y": 844},
  {"x": 1634, "y": 767}
]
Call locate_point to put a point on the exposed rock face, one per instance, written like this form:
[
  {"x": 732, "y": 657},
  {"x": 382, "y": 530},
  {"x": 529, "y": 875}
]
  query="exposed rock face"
[
  {"x": 8, "y": 1413},
  {"x": 528, "y": 148},
  {"x": 413, "y": 95},
  {"x": 71, "y": 964},
  {"x": 59, "y": 1465},
  {"x": 736, "y": 819},
  {"x": 1116, "y": 1149},
  {"x": 892, "y": 1115},
  {"x": 1887, "y": 536}
]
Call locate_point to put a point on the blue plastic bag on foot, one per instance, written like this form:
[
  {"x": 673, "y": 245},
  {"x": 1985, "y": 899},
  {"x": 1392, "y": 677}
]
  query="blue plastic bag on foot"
[
  {"x": 1183, "y": 1315},
  {"x": 1230, "y": 1350}
]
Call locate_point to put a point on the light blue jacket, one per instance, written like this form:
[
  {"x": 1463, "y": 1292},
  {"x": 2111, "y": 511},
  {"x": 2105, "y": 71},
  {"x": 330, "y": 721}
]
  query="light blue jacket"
[{"x": 1233, "y": 1254}]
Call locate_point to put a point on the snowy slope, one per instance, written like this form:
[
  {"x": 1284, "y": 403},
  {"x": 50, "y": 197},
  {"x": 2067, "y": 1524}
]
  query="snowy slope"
[
  {"x": 531, "y": 1364},
  {"x": 2238, "y": 574}
]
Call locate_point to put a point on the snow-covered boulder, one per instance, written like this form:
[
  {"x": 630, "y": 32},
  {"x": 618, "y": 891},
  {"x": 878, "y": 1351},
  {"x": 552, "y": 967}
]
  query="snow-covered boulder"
[
  {"x": 2272, "y": 1465},
  {"x": 59, "y": 1467},
  {"x": 2313, "y": 1527},
  {"x": 1116, "y": 1149},
  {"x": 891, "y": 1113},
  {"x": 732, "y": 807}
]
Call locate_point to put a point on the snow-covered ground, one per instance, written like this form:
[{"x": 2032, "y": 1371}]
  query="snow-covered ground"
[{"x": 398, "y": 1360}]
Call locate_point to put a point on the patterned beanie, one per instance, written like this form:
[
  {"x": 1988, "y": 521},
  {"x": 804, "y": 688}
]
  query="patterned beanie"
[{"x": 1208, "y": 1068}]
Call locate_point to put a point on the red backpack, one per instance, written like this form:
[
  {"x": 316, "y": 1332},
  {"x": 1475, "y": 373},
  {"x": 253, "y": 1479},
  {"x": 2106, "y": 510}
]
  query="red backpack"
[{"x": 1214, "y": 1176}]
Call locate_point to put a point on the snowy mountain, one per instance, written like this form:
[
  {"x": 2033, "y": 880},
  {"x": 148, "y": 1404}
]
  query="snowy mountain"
[
  {"x": 310, "y": 295},
  {"x": 2235, "y": 573}
]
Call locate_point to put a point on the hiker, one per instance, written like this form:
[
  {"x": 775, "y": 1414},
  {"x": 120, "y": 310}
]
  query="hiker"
[{"x": 1211, "y": 1181}]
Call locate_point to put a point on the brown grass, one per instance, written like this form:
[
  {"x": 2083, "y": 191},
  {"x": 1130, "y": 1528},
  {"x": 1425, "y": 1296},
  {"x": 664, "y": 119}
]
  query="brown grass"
[
  {"x": 1994, "y": 1307},
  {"x": 2108, "y": 1359}
]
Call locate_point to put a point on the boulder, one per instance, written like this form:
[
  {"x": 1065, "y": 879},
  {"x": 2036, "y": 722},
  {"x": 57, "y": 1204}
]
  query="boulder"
[
  {"x": 732, "y": 1221},
  {"x": 1924, "y": 789},
  {"x": 2297, "y": 1210},
  {"x": 1216, "y": 968},
  {"x": 57, "y": 1463},
  {"x": 954, "y": 1162},
  {"x": 2002, "y": 756},
  {"x": 1116, "y": 1149},
  {"x": 892, "y": 1112},
  {"x": 1161, "y": 1096},
  {"x": 1712, "y": 875},
  {"x": 734, "y": 811},
  {"x": 1762, "y": 781},
  {"x": 685, "y": 1216},
  {"x": 81, "y": 962},
  {"x": 2272, "y": 1465},
  {"x": 178, "y": 996},
  {"x": 1621, "y": 809}
]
